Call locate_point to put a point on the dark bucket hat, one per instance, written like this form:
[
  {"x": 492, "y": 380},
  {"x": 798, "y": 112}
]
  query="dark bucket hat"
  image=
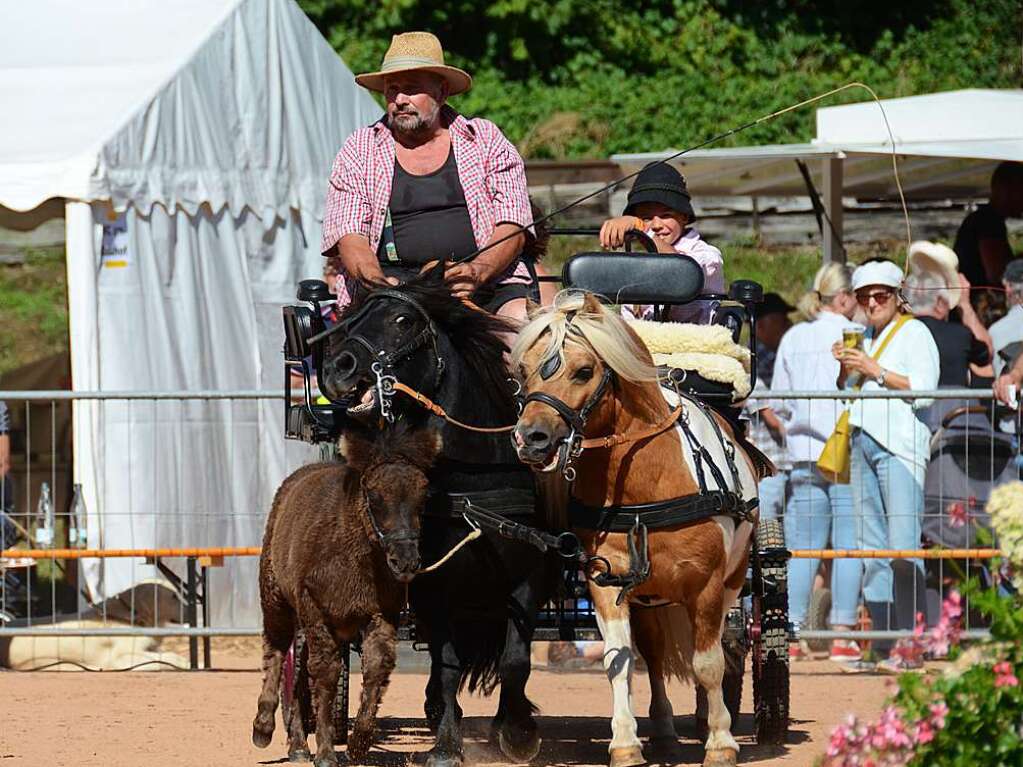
[{"x": 659, "y": 182}]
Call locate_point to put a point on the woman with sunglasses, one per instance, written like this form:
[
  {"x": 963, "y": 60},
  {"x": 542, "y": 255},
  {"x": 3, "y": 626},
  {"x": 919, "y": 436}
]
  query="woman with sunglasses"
[{"x": 889, "y": 446}]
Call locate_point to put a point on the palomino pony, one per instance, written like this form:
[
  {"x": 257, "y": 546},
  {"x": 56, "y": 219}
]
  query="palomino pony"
[
  {"x": 478, "y": 610},
  {"x": 341, "y": 543},
  {"x": 642, "y": 457}
]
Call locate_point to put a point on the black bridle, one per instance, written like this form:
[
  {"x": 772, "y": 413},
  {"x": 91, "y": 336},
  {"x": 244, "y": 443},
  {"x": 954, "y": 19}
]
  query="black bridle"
[
  {"x": 571, "y": 447},
  {"x": 384, "y": 361}
]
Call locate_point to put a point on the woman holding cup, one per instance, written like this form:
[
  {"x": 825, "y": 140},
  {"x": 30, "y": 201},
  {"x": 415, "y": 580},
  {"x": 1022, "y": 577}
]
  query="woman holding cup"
[
  {"x": 889, "y": 446},
  {"x": 817, "y": 509}
]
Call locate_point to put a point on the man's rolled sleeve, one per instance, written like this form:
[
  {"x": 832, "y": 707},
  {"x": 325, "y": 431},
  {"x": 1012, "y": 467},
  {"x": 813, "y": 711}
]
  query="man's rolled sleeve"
[
  {"x": 348, "y": 209},
  {"x": 506, "y": 175}
]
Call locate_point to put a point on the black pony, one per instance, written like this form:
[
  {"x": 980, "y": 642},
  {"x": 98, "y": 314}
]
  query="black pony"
[{"x": 478, "y": 610}]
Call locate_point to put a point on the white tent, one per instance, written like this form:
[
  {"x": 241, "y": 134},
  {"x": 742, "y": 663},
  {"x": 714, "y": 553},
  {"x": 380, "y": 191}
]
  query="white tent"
[
  {"x": 187, "y": 145},
  {"x": 947, "y": 145}
]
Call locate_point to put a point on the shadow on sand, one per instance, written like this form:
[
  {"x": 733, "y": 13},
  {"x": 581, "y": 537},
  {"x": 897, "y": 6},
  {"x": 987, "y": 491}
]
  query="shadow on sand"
[{"x": 567, "y": 741}]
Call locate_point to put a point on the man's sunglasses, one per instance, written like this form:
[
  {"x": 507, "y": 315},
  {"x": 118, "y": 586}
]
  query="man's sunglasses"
[{"x": 880, "y": 297}]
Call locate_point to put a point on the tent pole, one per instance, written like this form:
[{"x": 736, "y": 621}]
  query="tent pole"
[
  {"x": 832, "y": 178},
  {"x": 83, "y": 318}
]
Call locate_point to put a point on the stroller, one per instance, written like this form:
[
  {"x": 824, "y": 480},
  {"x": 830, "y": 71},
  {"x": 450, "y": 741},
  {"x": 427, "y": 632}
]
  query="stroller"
[{"x": 968, "y": 459}]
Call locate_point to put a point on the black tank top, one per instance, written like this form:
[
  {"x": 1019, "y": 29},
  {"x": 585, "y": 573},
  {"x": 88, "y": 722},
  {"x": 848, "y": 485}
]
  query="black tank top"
[{"x": 429, "y": 217}]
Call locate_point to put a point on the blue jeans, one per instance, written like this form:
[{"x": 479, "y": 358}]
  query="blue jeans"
[
  {"x": 890, "y": 503},
  {"x": 817, "y": 508},
  {"x": 771, "y": 492}
]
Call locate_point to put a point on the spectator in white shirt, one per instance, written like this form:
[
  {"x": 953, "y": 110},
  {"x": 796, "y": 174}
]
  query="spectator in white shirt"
[
  {"x": 1009, "y": 329},
  {"x": 890, "y": 444},
  {"x": 817, "y": 510}
]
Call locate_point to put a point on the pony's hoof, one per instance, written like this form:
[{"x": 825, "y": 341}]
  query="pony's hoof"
[
  {"x": 300, "y": 756},
  {"x": 444, "y": 759},
  {"x": 326, "y": 761},
  {"x": 358, "y": 744},
  {"x": 262, "y": 730},
  {"x": 519, "y": 752},
  {"x": 721, "y": 757},
  {"x": 629, "y": 756}
]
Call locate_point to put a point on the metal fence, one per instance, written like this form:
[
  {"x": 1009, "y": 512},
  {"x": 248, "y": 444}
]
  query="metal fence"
[{"x": 188, "y": 470}]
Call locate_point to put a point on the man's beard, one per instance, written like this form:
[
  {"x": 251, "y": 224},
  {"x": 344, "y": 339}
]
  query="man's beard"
[{"x": 412, "y": 123}]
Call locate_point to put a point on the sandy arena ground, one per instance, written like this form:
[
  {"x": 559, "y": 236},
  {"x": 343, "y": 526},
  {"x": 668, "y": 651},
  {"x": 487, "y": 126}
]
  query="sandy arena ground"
[{"x": 181, "y": 719}]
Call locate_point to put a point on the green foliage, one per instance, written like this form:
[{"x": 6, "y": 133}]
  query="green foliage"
[
  {"x": 34, "y": 316},
  {"x": 573, "y": 78}
]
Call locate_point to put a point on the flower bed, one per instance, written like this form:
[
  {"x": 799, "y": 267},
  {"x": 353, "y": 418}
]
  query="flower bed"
[{"x": 971, "y": 715}]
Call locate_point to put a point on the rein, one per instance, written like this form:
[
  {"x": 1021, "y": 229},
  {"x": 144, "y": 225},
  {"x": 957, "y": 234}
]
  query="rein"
[{"x": 428, "y": 404}]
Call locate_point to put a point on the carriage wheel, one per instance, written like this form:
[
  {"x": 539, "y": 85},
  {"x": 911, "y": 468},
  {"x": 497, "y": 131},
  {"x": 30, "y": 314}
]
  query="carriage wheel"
[
  {"x": 341, "y": 701},
  {"x": 769, "y": 631},
  {"x": 733, "y": 642}
]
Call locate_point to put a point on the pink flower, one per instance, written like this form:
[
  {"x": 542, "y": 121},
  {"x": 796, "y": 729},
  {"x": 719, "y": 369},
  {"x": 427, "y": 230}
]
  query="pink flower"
[
  {"x": 958, "y": 516},
  {"x": 939, "y": 711},
  {"x": 924, "y": 732},
  {"x": 947, "y": 632},
  {"x": 1004, "y": 676}
]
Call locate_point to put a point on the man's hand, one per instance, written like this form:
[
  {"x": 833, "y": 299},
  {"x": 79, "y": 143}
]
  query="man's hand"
[
  {"x": 1004, "y": 391},
  {"x": 466, "y": 278},
  {"x": 361, "y": 262},
  {"x": 612, "y": 233}
]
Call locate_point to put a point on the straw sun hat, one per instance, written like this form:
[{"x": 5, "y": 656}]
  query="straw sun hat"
[
  {"x": 938, "y": 259},
  {"x": 413, "y": 51}
]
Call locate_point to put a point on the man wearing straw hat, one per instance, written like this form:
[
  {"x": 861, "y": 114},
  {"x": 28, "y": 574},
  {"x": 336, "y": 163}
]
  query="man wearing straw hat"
[{"x": 425, "y": 183}]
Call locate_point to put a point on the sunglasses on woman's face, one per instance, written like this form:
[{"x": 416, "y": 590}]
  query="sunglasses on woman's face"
[{"x": 880, "y": 297}]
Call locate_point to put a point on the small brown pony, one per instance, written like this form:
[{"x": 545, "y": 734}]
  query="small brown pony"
[
  {"x": 341, "y": 543},
  {"x": 586, "y": 375}
]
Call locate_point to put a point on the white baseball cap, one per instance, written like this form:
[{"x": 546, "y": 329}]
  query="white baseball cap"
[{"x": 877, "y": 273}]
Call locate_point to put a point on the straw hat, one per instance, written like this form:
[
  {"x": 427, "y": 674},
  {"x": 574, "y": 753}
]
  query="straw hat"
[
  {"x": 933, "y": 257},
  {"x": 413, "y": 51}
]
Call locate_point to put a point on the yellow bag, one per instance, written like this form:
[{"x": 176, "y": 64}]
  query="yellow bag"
[{"x": 834, "y": 461}]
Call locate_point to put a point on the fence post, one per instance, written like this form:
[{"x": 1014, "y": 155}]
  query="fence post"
[{"x": 191, "y": 589}]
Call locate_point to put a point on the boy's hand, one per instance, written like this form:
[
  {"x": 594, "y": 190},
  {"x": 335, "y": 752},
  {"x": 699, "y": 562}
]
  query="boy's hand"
[{"x": 612, "y": 233}]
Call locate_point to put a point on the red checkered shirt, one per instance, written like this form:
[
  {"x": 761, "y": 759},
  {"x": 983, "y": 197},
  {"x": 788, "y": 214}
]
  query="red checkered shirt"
[{"x": 489, "y": 167}]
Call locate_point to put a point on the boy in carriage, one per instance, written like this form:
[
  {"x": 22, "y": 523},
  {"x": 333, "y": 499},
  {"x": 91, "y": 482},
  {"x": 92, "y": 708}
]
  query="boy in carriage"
[{"x": 660, "y": 206}]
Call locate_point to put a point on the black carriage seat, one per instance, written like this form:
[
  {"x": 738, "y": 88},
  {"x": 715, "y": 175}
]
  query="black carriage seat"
[{"x": 635, "y": 278}]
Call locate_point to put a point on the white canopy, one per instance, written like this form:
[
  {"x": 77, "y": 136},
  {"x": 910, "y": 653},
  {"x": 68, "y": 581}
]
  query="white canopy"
[
  {"x": 947, "y": 145},
  {"x": 223, "y": 102},
  {"x": 190, "y": 144}
]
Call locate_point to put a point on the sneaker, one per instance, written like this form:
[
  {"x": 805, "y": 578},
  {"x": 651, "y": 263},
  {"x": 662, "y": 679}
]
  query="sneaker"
[
  {"x": 799, "y": 651},
  {"x": 845, "y": 652},
  {"x": 857, "y": 667},
  {"x": 897, "y": 666}
]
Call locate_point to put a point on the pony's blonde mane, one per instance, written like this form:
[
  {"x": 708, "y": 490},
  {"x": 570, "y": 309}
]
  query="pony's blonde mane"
[{"x": 568, "y": 319}]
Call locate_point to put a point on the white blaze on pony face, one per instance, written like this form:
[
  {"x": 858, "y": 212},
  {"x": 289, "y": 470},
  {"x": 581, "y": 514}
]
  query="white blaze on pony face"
[
  {"x": 618, "y": 662},
  {"x": 564, "y": 352}
]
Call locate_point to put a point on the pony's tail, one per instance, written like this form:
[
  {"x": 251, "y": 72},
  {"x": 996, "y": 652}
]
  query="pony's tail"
[{"x": 677, "y": 634}]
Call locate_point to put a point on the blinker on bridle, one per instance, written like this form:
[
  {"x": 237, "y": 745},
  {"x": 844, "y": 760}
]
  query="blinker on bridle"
[
  {"x": 383, "y": 360},
  {"x": 571, "y": 447}
]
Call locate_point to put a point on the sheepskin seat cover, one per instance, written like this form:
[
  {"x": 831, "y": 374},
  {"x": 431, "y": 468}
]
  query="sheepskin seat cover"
[{"x": 707, "y": 349}]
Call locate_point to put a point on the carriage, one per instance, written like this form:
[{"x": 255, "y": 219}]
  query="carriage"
[{"x": 757, "y": 626}]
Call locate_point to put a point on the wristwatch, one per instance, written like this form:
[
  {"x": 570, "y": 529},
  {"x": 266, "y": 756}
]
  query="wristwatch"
[{"x": 880, "y": 377}]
